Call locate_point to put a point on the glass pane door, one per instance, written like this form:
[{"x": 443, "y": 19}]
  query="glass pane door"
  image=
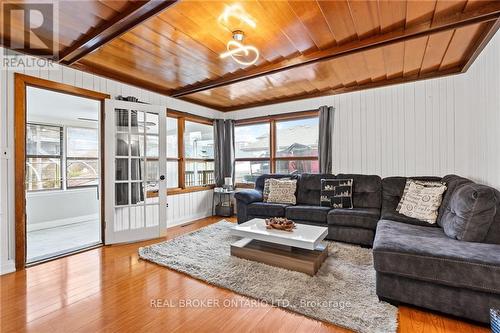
[{"x": 136, "y": 165}]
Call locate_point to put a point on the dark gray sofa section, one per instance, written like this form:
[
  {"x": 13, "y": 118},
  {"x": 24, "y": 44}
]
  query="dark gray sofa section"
[
  {"x": 427, "y": 254},
  {"x": 416, "y": 262},
  {"x": 392, "y": 191},
  {"x": 355, "y": 225},
  {"x": 316, "y": 214},
  {"x": 422, "y": 266},
  {"x": 266, "y": 209},
  {"x": 249, "y": 203}
]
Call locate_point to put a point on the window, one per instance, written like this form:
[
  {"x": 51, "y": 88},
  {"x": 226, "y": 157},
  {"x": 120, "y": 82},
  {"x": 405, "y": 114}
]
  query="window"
[
  {"x": 198, "y": 154},
  {"x": 51, "y": 167},
  {"x": 82, "y": 157},
  {"x": 190, "y": 151},
  {"x": 172, "y": 153},
  {"x": 297, "y": 146},
  {"x": 288, "y": 145},
  {"x": 252, "y": 152},
  {"x": 198, "y": 141},
  {"x": 43, "y": 157}
]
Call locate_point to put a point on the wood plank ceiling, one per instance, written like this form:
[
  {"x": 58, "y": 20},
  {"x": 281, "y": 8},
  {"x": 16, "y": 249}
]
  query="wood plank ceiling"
[
  {"x": 307, "y": 48},
  {"x": 76, "y": 20}
]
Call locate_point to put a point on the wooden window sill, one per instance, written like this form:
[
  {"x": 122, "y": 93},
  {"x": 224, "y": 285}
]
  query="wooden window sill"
[
  {"x": 175, "y": 191},
  {"x": 245, "y": 185}
]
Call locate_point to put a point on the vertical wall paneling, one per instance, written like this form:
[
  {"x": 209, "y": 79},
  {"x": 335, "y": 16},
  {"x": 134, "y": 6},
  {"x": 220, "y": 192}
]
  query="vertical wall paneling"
[
  {"x": 432, "y": 127},
  {"x": 182, "y": 208}
]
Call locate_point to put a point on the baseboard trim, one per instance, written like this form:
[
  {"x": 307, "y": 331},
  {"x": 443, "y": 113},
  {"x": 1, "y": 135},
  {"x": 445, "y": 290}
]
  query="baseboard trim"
[{"x": 189, "y": 219}]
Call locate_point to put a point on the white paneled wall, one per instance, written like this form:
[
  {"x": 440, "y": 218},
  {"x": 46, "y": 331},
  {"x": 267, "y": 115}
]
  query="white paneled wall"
[
  {"x": 187, "y": 207},
  {"x": 182, "y": 208},
  {"x": 432, "y": 127}
]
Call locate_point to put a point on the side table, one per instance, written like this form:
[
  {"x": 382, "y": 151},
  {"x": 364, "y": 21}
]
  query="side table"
[{"x": 224, "y": 206}]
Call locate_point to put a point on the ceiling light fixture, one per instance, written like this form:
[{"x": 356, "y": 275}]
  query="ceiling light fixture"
[
  {"x": 237, "y": 51},
  {"x": 238, "y": 35},
  {"x": 237, "y": 12},
  {"x": 243, "y": 54}
]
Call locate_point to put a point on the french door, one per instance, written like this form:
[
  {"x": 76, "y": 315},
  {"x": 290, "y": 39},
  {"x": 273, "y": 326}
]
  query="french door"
[{"x": 135, "y": 168}]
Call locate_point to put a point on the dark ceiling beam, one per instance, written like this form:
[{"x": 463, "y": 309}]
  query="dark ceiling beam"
[
  {"x": 136, "y": 13},
  {"x": 486, "y": 13}
]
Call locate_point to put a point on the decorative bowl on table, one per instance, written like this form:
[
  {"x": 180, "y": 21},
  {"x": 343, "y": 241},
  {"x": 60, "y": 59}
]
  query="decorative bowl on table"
[{"x": 280, "y": 223}]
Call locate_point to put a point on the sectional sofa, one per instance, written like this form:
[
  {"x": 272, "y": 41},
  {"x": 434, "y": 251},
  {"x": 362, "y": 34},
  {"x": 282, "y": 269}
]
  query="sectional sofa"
[{"x": 416, "y": 262}]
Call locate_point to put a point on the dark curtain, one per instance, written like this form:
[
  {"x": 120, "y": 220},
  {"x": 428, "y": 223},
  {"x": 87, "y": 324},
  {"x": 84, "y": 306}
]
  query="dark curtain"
[
  {"x": 137, "y": 189},
  {"x": 325, "y": 149},
  {"x": 229, "y": 149},
  {"x": 224, "y": 150}
]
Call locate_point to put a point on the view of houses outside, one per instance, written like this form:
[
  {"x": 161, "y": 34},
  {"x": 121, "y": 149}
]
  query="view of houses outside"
[
  {"x": 199, "y": 144},
  {"x": 294, "y": 138}
]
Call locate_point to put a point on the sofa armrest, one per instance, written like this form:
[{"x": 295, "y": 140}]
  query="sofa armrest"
[{"x": 248, "y": 196}]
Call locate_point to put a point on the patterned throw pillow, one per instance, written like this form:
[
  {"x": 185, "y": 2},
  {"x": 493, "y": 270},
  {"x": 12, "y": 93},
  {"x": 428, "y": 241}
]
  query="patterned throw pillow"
[
  {"x": 336, "y": 193},
  {"x": 282, "y": 191},
  {"x": 420, "y": 182},
  {"x": 422, "y": 201},
  {"x": 265, "y": 190}
]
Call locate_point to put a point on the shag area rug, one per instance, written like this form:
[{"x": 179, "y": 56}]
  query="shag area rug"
[{"x": 342, "y": 292}]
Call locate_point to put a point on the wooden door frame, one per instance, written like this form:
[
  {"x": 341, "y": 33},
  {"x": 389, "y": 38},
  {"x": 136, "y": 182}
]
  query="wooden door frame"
[{"x": 21, "y": 82}]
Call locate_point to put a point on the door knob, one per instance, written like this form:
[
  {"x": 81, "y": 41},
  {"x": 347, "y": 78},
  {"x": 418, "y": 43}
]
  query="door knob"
[{"x": 162, "y": 177}]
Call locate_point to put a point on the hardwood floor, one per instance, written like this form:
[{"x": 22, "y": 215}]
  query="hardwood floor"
[{"x": 109, "y": 289}]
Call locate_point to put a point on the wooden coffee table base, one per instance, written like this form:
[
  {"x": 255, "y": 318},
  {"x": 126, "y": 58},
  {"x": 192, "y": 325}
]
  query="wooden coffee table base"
[{"x": 292, "y": 258}]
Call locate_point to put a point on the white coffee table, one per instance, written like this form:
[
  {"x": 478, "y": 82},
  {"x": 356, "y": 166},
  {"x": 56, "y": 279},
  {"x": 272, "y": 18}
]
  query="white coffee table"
[{"x": 300, "y": 250}]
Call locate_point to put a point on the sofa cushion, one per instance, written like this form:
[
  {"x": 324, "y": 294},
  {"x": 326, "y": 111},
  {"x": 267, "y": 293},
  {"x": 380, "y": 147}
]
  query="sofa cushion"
[
  {"x": 351, "y": 235},
  {"x": 392, "y": 191},
  {"x": 493, "y": 235},
  {"x": 470, "y": 212},
  {"x": 307, "y": 213},
  {"x": 366, "y": 191},
  {"x": 452, "y": 183},
  {"x": 309, "y": 188},
  {"x": 357, "y": 217},
  {"x": 248, "y": 196},
  {"x": 260, "y": 181},
  {"x": 421, "y": 200},
  {"x": 266, "y": 209},
  {"x": 427, "y": 254},
  {"x": 282, "y": 191},
  {"x": 336, "y": 193}
]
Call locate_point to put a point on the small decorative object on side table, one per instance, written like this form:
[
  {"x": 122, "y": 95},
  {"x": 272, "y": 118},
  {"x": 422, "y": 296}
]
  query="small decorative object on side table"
[
  {"x": 280, "y": 223},
  {"x": 228, "y": 183},
  {"x": 495, "y": 320}
]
